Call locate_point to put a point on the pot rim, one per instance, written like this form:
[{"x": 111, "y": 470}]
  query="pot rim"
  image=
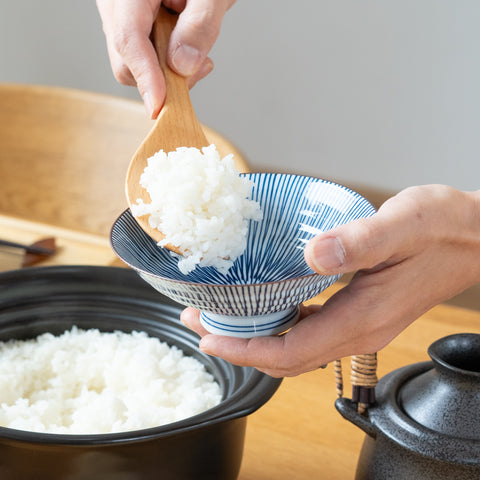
[
  {"x": 255, "y": 389},
  {"x": 436, "y": 352}
]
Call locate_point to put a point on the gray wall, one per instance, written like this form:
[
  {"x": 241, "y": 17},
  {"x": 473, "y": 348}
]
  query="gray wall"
[{"x": 375, "y": 93}]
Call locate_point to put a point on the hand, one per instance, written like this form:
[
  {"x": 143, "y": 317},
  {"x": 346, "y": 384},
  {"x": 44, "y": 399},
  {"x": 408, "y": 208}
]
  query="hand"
[
  {"x": 421, "y": 248},
  {"x": 127, "y": 25}
]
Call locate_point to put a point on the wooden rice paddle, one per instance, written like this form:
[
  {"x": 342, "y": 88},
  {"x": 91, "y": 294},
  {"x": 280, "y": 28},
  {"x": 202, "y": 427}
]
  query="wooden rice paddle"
[{"x": 176, "y": 126}]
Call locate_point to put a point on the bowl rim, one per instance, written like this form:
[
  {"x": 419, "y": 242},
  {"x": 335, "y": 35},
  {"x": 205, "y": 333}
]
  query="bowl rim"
[{"x": 243, "y": 285}]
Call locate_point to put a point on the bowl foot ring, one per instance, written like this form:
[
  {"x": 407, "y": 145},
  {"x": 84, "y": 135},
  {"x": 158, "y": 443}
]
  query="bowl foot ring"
[{"x": 250, "y": 326}]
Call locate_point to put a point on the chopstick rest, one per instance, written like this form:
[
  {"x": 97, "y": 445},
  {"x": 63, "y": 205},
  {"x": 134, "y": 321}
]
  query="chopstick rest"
[
  {"x": 38, "y": 251},
  {"x": 34, "y": 253}
]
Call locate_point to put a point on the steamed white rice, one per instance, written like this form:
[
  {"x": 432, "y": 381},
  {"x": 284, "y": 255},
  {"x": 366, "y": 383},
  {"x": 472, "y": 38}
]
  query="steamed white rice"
[
  {"x": 86, "y": 381},
  {"x": 201, "y": 205}
]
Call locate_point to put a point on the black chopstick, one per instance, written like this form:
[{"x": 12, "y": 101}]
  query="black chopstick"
[{"x": 28, "y": 248}]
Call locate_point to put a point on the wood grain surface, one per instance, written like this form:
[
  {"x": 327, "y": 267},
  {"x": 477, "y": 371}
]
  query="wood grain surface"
[{"x": 64, "y": 155}]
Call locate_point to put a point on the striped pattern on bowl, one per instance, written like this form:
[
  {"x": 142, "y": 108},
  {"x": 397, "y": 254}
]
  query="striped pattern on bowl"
[{"x": 271, "y": 275}]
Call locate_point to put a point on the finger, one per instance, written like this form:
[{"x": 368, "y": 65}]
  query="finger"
[
  {"x": 121, "y": 72},
  {"x": 235, "y": 350},
  {"x": 196, "y": 31},
  {"x": 359, "y": 319},
  {"x": 384, "y": 238},
  {"x": 278, "y": 356},
  {"x": 190, "y": 317},
  {"x": 132, "y": 44},
  {"x": 202, "y": 72},
  {"x": 258, "y": 352}
]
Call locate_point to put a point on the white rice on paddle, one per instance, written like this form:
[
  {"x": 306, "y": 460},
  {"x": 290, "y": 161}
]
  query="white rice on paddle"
[
  {"x": 200, "y": 203},
  {"x": 89, "y": 382}
]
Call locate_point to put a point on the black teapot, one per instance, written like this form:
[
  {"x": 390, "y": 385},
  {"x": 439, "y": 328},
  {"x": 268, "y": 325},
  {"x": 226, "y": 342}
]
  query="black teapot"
[{"x": 425, "y": 423}]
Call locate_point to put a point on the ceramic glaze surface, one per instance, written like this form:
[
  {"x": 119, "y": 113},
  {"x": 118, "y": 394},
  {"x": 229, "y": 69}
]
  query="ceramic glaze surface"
[
  {"x": 271, "y": 276},
  {"x": 425, "y": 423},
  {"x": 446, "y": 399},
  {"x": 34, "y": 301}
]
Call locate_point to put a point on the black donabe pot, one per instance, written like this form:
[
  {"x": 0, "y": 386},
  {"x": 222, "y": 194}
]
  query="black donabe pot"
[
  {"x": 426, "y": 422},
  {"x": 206, "y": 446}
]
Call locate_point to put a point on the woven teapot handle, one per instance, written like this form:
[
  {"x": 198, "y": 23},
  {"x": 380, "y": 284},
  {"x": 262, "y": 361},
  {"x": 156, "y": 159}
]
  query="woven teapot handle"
[{"x": 363, "y": 373}]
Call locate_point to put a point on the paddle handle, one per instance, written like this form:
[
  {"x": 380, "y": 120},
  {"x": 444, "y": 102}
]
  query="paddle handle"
[
  {"x": 176, "y": 125},
  {"x": 176, "y": 85}
]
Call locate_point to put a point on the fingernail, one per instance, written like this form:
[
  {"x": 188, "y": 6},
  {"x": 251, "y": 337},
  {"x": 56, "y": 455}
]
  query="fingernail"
[
  {"x": 327, "y": 255},
  {"x": 185, "y": 59},
  {"x": 147, "y": 101}
]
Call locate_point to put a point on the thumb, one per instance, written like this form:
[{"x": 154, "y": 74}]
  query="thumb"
[
  {"x": 364, "y": 243},
  {"x": 197, "y": 29}
]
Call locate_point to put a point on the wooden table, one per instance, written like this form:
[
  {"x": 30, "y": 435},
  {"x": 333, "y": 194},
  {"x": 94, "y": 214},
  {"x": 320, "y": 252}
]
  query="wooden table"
[{"x": 298, "y": 434}]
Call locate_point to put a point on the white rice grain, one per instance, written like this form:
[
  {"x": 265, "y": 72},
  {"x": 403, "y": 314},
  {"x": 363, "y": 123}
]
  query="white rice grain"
[
  {"x": 88, "y": 382},
  {"x": 201, "y": 205}
]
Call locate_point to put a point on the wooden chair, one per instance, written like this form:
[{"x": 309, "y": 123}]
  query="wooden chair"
[{"x": 64, "y": 155}]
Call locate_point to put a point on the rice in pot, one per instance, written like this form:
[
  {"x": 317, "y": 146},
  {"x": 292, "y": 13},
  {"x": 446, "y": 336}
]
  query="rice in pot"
[
  {"x": 86, "y": 381},
  {"x": 200, "y": 203}
]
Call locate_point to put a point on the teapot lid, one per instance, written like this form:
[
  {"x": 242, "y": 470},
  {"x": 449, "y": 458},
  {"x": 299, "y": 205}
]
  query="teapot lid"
[
  {"x": 446, "y": 398},
  {"x": 432, "y": 408}
]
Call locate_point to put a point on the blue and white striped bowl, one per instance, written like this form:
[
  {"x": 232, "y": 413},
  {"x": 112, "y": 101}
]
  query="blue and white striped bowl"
[{"x": 261, "y": 293}]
